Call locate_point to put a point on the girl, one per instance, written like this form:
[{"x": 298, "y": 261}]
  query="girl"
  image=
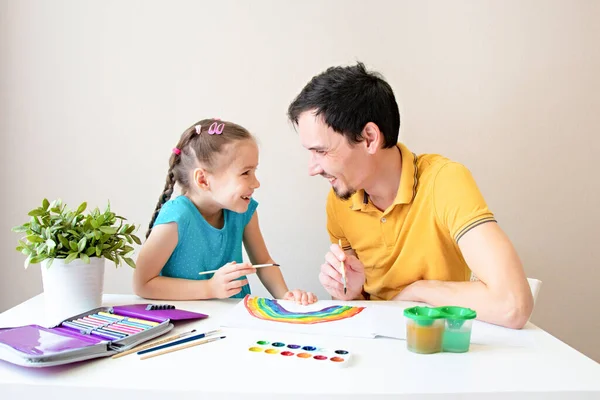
[{"x": 203, "y": 229}]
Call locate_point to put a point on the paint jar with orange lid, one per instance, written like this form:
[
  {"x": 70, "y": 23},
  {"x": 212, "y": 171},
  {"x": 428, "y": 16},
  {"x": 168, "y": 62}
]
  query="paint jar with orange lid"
[{"x": 424, "y": 330}]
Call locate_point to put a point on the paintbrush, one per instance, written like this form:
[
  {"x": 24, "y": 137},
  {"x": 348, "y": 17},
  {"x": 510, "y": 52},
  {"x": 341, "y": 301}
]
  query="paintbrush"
[
  {"x": 255, "y": 266},
  {"x": 178, "y": 342},
  {"x": 343, "y": 268},
  {"x": 150, "y": 345},
  {"x": 185, "y": 346}
]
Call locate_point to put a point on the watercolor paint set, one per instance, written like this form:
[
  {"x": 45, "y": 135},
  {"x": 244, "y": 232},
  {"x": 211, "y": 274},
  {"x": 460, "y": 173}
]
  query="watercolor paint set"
[
  {"x": 96, "y": 333},
  {"x": 305, "y": 354}
]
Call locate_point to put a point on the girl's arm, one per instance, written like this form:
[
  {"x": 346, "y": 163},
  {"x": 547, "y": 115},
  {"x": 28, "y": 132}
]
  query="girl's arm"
[
  {"x": 152, "y": 258},
  {"x": 256, "y": 248}
]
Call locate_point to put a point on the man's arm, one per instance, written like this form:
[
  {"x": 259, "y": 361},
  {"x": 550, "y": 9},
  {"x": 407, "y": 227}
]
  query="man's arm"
[{"x": 502, "y": 295}]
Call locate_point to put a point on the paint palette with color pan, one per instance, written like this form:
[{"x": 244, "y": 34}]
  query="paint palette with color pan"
[{"x": 300, "y": 353}]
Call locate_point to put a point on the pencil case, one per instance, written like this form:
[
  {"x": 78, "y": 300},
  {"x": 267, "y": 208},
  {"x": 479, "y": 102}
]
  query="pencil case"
[
  {"x": 435, "y": 329},
  {"x": 100, "y": 332}
]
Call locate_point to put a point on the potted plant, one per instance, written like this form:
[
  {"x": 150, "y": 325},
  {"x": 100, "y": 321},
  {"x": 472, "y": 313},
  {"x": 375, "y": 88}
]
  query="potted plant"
[{"x": 72, "y": 247}]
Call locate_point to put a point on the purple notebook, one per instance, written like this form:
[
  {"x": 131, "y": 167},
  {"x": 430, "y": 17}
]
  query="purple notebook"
[{"x": 97, "y": 333}]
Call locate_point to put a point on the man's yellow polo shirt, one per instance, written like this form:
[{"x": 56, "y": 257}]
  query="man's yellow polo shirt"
[{"x": 417, "y": 237}]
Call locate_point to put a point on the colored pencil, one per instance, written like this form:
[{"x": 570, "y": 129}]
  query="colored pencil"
[
  {"x": 185, "y": 346},
  {"x": 141, "y": 321},
  {"x": 255, "y": 266},
  {"x": 175, "y": 343},
  {"x": 157, "y": 343}
]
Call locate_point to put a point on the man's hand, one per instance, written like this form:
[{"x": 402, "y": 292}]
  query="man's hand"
[{"x": 331, "y": 276}]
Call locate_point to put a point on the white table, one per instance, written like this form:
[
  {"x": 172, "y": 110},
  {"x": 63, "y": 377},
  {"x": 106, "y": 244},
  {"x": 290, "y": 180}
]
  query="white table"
[{"x": 380, "y": 368}]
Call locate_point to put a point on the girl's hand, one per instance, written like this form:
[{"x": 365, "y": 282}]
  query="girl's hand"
[
  {"x": 225, "y": 282},
  {"x": 300, "y": 297}
]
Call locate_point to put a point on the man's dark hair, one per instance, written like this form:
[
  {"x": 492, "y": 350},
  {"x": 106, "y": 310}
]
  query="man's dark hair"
[{"x": 347, "y": 98}]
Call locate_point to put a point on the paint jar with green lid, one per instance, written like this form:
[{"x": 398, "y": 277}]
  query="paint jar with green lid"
[
  {"x": 424, "y": 330},
  {"x": 457, "y": 332},
  {"x": 435, "y": 329}
]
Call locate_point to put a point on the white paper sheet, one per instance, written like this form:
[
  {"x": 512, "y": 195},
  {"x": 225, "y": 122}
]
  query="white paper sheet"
[
  {"x": 366, "y": 324},
  {"x": 376, "y": 319}
]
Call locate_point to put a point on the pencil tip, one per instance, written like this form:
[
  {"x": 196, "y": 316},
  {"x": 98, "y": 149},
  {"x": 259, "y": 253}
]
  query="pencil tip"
[{"x": 344, "y": 290}]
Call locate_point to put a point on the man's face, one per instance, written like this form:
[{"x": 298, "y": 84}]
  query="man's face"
[{"x": 331, "y": 156}]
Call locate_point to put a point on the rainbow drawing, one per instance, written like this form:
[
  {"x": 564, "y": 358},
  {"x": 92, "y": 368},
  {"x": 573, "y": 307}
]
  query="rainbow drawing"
[{"x": 271, "y": 310}]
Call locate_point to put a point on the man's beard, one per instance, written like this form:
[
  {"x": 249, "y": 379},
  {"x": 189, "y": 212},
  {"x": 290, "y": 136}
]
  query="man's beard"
[{"x": 344, "y": 195}]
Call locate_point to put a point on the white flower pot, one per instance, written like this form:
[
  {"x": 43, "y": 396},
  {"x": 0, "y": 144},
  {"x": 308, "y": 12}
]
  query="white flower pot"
[{"x": 73, "y": 288}]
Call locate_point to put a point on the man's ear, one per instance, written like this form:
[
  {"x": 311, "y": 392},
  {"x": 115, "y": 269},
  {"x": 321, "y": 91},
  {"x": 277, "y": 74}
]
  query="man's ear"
[
  {"x": 373, "y": 138},
  {"x": 200, "y": 177}
]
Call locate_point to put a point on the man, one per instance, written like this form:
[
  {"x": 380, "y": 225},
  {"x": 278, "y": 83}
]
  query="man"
[{"x": 412, "y": 227}]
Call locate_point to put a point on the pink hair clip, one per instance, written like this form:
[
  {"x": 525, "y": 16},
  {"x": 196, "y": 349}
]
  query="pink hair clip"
[
  {"x": 176, "y": 151},
  {"x": 216, "y": 129},
  {"x": 198, "y": 129}
]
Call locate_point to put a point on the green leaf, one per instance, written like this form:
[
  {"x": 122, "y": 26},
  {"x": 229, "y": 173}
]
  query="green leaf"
[
  {"x": 49, "y": 263},
  {"x": 109, "y": 257},
  {"x": 81, "y": 208},
  {"x": 81, "y": 244},
  {"x": 97, "y": 235},
  {"x": 108, "y": 230},
  {"x": 37, "y": 259},
  {"x": 90, "y": 251},
  {"x": 74, "y": 233},
  {"x": 130, "y": 262},
  {"x": 126, "y": 249},
  {"x": 106, "y": 237},
  {"x": 27, "y": 262},
  {"x": 98, "y": 251},
  {"x": 94, "y": 223},
  {"x": 71, "y": 257},
  {"x": 26, "y": 251},
  {"x": 136, "y": 239},
  {"x": 45, "y": 204},
  {"x": 84, "y": 257},
  {"x": 34, "y": 239},
  {"x": 51, "y": 245},
  {"x": 21, "y": 228},
  {"x": 73, "y": 245},
  {"x": 36, "y": 213},
  {"x": 64, "y": 241}
]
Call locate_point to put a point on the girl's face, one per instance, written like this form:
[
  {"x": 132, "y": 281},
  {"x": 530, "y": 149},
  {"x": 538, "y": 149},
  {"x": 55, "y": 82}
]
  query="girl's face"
[{"x": 234, "y": 182}]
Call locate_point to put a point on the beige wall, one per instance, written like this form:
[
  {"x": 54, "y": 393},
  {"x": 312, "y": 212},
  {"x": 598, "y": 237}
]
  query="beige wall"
[{"x": 93, "y": 96}]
